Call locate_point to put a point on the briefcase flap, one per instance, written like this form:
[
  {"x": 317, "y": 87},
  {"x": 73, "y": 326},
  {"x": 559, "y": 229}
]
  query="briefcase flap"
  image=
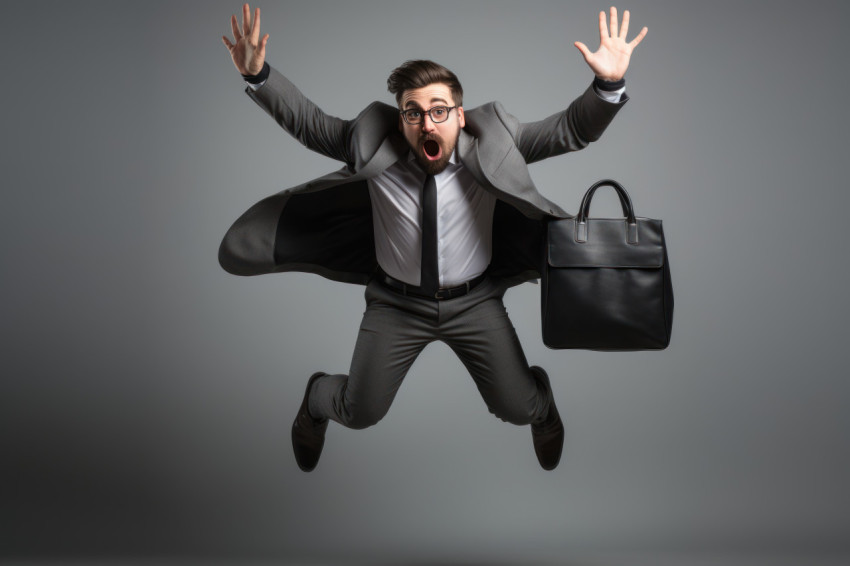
[{"x": 607, "y": 244}]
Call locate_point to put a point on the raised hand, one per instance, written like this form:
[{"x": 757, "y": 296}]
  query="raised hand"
[
  {"x": 247, "y": 50},
  {"x": 612, "y": 58}
]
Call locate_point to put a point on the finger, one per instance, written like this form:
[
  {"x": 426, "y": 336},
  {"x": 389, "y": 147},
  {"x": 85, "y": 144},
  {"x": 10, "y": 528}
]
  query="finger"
[
  {"x": 261, "y": 48},
  {"x": 624, "y": 29},
  {"x": 235, "y": 28},
  {"x": 639, "y": 38},
  {"x": 603, "y": 27},
  {"x": 613, "y": 21},
  {"x": 246, "y": 19},
  {"x": 227, "y": 43},
  {"x": 255, "y": 28},
  {"x": 583, "y": 48}
]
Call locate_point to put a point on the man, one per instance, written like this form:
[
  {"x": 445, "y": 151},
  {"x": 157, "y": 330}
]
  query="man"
[{"x": 436, "y": 212}]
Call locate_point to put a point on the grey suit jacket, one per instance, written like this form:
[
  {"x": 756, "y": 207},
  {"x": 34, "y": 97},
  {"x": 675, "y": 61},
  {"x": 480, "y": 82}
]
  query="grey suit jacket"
[{"x": 325, "y": 226}]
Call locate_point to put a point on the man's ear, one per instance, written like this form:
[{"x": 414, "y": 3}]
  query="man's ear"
[
  {"x": 460, "y": 119},
  {"x": 400, "y": 123}
]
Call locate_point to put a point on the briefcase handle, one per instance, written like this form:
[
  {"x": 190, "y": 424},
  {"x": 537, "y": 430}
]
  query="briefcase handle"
[{"x": 625, "y": 202}]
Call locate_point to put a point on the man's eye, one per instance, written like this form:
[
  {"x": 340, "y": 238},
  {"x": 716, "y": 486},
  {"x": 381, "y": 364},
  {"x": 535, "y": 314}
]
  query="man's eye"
[
  {"x": 439, "y": 112},
  {"x": 414, "y": 114}
]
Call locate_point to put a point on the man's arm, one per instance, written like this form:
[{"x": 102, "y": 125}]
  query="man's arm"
[
  {"x": 301, "y": 118},
  {"x": 294, "y": 112},
  {"x": 588, "y": 115},
  {"x": 571, "y": 130}
]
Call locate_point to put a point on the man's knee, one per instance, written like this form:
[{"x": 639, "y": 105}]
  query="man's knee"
[
  {"x": 364, "y": 417},
  {"x": 522, "y": 406},
  {"x": 515, "y": 413}
]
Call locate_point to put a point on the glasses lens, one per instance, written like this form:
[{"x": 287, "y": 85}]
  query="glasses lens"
[
  {"x": 439, "y": 114},
  {"x": 412, "y": 116}
]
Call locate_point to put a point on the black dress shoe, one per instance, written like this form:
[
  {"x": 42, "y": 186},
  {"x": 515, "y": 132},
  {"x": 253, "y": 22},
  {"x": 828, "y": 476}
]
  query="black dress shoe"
[
  {"x": 548, "y": 433},
  {"x": 308, "y": 434}
]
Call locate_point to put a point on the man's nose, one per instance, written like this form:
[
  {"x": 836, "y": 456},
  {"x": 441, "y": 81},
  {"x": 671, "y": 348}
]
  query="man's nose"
[{"x": 427, "y": 123}]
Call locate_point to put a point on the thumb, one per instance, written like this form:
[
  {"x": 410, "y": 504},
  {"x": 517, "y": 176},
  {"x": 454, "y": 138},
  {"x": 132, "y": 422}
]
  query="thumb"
[{"x": 583, "y": 48}]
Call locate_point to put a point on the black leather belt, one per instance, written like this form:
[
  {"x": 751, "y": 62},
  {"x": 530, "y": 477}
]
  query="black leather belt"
[{"x": 440, "y": 295}]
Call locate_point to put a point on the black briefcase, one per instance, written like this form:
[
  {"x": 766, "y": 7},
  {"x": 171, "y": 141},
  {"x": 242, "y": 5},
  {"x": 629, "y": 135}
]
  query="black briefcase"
[{"x": 606, "y": 281}]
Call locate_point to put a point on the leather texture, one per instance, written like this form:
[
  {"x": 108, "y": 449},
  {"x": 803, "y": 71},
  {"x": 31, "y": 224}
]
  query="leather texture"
[
  {"x": 606, "y": 281},
  {"x": 308, "y": 434},
  {"x": 548, "y": 435}
]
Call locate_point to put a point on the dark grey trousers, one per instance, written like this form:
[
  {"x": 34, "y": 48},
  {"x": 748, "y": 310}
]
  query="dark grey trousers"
[{"x": 396, "y": 328}]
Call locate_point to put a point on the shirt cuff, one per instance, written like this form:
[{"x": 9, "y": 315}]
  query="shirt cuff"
[
  {"x": 258, "y": 80},
  {"x": 610, "y": 91}
]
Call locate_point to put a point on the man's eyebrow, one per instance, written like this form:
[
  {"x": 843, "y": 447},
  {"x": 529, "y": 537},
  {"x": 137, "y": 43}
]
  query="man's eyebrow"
[{"x": 410, "y": 103}]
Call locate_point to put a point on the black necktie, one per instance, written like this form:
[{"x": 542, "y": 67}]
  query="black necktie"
[{"x": 430, "y": 278}]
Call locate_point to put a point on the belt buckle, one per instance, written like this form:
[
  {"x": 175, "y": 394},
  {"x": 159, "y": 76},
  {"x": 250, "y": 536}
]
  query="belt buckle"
[{"x": 440, "y": 296}]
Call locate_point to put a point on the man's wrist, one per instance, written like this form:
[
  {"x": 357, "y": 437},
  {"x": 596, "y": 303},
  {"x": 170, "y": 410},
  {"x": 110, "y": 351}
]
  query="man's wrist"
[
  {"x": 609, "y": 86},
  {"x": 259, "y": 77}
]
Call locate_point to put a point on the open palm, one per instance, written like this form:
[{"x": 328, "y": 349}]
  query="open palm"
[
  {"x": 247, "y": 50},
  {"x": 611, "y": 60}
]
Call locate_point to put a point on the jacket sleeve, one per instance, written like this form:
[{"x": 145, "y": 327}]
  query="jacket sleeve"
[
  {"x": 572, "y": 129},
  {"x": 299, "y": 116}
]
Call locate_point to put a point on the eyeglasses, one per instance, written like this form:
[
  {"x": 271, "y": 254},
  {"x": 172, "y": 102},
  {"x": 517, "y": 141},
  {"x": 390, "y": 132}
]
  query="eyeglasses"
[{"x": 438, "y": 114}]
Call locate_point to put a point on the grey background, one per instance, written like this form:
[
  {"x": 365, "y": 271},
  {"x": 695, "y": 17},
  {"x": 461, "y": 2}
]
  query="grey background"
[{"x": 147, "y": 395}]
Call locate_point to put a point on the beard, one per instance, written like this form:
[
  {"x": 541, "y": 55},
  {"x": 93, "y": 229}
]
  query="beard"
[{"x": 433, "y": 152}]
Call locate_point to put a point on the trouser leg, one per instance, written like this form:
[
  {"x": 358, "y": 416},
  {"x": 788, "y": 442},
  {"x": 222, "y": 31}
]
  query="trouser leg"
[
  {"x": 395, "y": 329},
  {"x": 486, "y": 342},
  {"x": 393, "y": 332}
]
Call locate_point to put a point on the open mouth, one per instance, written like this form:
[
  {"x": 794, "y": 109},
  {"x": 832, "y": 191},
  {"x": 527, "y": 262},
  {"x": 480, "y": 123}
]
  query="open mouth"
[{"x": 432, "y": 149}]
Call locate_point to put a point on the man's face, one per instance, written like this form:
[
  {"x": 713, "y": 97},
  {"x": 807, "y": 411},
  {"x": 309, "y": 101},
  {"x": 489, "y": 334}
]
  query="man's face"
[{"x": 432, "y": 144}]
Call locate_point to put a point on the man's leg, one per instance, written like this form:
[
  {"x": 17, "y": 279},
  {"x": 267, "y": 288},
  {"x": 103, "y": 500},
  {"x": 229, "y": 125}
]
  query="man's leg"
[
  {"x": 393, "y": 332},
  {"x": 485, "y": 340},
  {"x": 483, "y": 337}
]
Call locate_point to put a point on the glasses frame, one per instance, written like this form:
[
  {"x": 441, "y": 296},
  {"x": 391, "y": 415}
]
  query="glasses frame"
[{"x": 404, "y": 114}]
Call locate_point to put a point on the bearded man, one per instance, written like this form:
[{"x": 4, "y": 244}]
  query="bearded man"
[{"x": 435, "y": 212}]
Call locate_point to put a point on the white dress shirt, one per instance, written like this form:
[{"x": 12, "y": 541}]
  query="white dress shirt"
[{"x": 464, "y": 222}]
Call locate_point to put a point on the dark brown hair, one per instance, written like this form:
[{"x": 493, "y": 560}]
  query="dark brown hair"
[{"x": 421, "y": 72}]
